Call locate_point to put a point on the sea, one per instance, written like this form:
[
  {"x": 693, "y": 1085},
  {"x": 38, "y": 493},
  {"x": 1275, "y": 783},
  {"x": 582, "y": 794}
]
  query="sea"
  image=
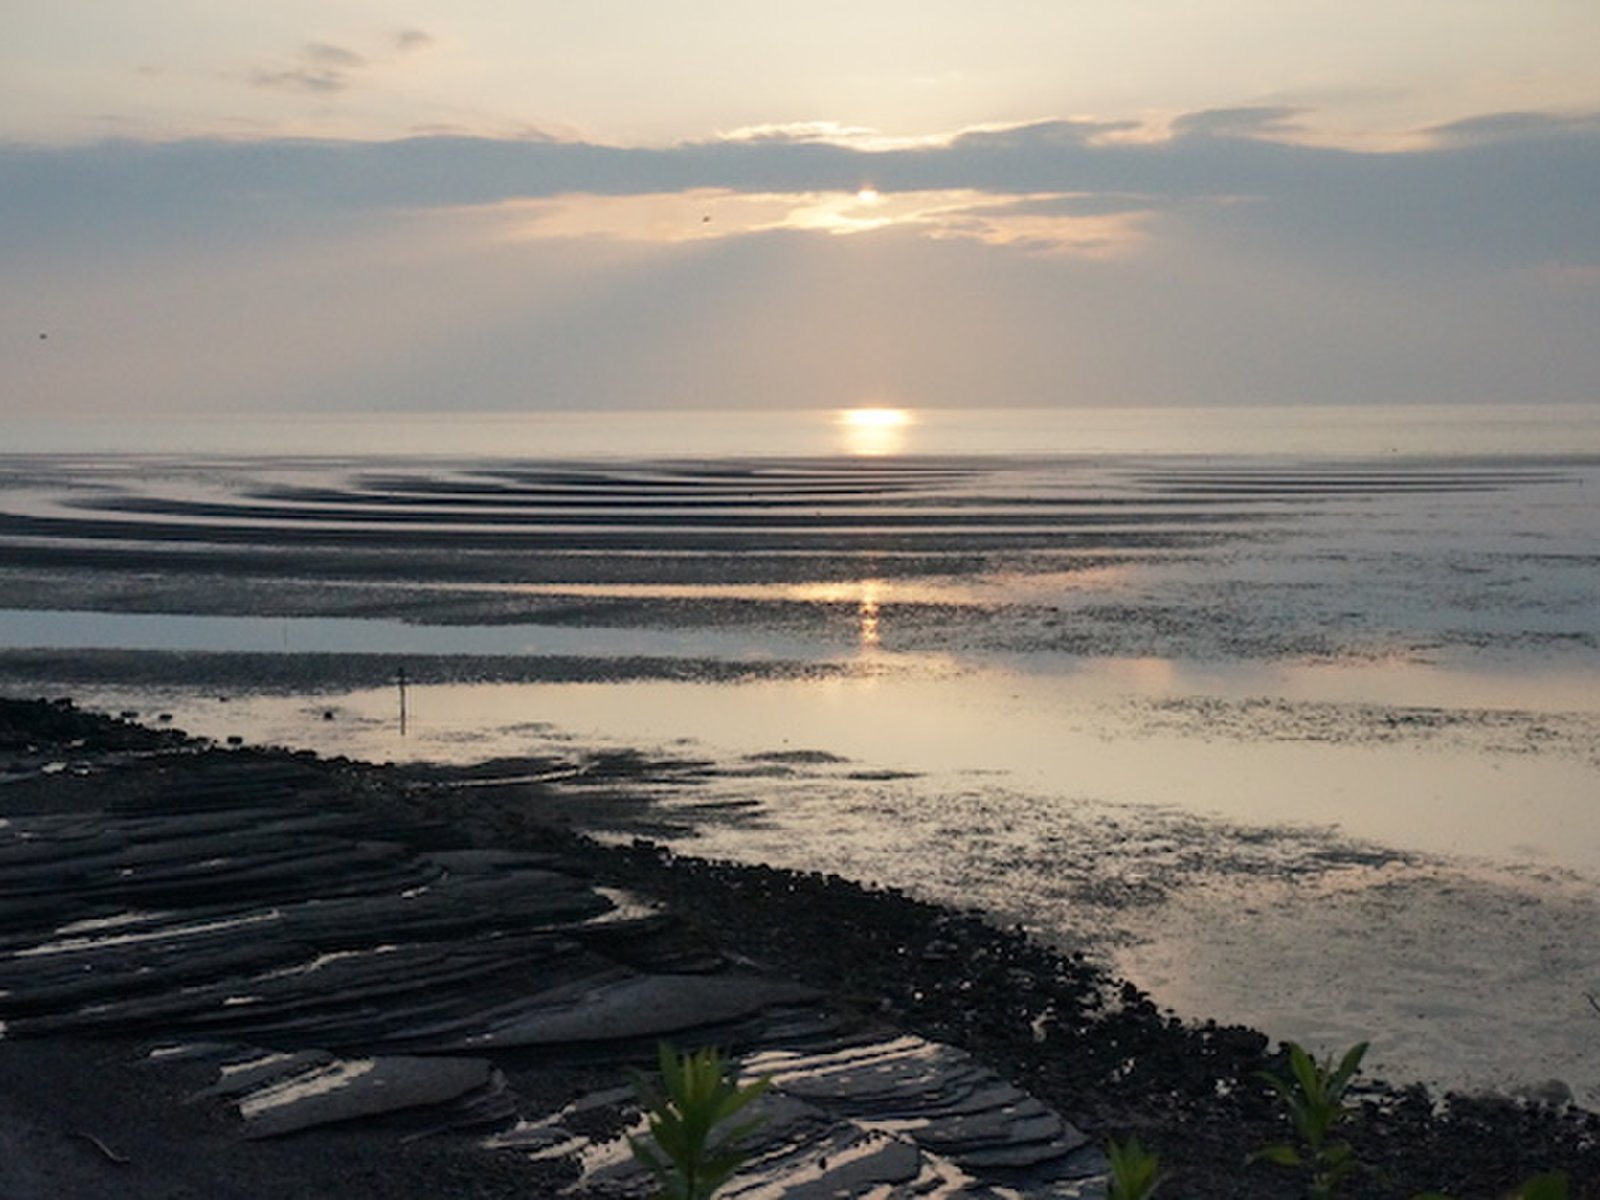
[{"x": 1289, "y": 714}]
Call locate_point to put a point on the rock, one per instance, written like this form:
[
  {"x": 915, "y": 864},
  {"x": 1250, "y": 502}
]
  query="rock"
[
  {"x": 1554, "y": 1092},
  {"x": 356, "y": 1089},
  {"x": 639, "y": 1006}
]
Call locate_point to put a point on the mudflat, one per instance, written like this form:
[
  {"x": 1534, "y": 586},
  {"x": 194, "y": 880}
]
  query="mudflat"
[{"x": 256, "y": 916}]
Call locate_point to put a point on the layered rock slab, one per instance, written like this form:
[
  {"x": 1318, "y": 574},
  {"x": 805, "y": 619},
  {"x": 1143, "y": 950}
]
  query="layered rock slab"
[{"x": 349, "y": 969}]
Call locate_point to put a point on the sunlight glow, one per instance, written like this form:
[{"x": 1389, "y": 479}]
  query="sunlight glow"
[
  {"x": 1043, "y": 223},
  {"x": 873, "y": 432},
  {"x": 875, "y": 418}
]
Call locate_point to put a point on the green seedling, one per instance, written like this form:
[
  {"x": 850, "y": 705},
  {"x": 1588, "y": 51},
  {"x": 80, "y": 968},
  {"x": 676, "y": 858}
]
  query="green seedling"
[
  {"x": 1314, "y": 1097},
  {"x": 1135, "y": 1172},
  {"x": 692, "y": 1150},
  {"x": 1550, "y": 1186}
]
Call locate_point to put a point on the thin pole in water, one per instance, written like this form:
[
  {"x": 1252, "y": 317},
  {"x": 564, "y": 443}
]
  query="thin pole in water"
[{"x": 400, "y": 678}]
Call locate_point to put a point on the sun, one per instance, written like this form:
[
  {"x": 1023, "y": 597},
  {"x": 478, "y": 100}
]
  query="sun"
[
  {"x": 875, "y": 418},
  {"x": 867, "y": 195},
  {"x": 874, "y": 431}
]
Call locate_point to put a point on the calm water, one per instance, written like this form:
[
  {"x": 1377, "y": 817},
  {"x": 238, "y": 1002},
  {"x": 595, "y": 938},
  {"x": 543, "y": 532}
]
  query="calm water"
[
  {"x": 1318, "y": 431},
  {"x": 1293, "y": 713}
]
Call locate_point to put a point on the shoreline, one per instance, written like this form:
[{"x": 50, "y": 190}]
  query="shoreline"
[
  {"x": 1056, "y": 1025},
  {"x": 1246, "y": 888}
]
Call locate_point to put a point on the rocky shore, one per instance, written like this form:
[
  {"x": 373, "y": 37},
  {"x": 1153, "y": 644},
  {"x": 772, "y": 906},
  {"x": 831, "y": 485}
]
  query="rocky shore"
[{"x": 455, "y": 940}]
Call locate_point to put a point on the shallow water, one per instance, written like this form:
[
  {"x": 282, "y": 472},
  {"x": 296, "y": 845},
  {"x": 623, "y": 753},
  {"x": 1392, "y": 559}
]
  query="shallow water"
[{"x": 1302, "y": 734}]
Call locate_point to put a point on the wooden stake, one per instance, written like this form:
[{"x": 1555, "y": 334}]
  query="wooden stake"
[{"x": 400, "y": 678}]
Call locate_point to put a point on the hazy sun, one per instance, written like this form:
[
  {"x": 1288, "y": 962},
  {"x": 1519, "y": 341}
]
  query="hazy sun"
[
  {"x": 867, "y": 195},
  {"x": 875, "y": 418},
  {"x": 874, "y": 431}
]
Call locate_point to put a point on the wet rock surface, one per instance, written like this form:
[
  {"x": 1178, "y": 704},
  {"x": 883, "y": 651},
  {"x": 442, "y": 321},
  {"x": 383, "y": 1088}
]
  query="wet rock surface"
[
  {"x": 341, "y": 963},
  {"x": 381, "y": 968}
]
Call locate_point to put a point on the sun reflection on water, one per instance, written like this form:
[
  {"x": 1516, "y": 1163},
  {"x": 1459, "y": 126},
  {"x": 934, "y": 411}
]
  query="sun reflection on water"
[{"x": 867, "y": 614}]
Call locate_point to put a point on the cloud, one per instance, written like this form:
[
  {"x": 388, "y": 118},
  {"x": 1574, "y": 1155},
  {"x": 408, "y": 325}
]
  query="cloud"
[
  {"x": 829, "y": 133},
  {"x": 1255, "y": 121},
  {"x": 1502, "y": 189},
  {"x": 331, "y": 57},
  {"x": 1107, "y": 204},
  {"x": 1052, "y": 262},
  {"x": 1514, "y": 127},
  {"x": 408, "y": 40},
  {"x": 325, "y": 68},
  {"x": 1040, "y": 135},
  {"x": 301, "y": 79},
  {"x": 1466, "y": 203},
  {"x": 801, "y": 131},
  {"x": 1048, "y": 224}
]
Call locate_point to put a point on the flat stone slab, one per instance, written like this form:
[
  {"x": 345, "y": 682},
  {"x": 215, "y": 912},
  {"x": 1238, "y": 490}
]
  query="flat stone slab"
[
  {"x": 344, "y": 973},
  {"x": 639, "y": 1006},
  {"x": 257, "y": 1072},
  {"x": 357, "y": 1089},
  {"x": 892, "y": 1119}
]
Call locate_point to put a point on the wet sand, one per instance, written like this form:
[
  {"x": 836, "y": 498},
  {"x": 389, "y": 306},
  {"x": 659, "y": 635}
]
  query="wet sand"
[{"x": 1434, "y": 560}]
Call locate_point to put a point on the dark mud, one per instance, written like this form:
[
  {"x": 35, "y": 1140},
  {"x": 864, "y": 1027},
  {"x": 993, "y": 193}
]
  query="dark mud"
[{"x": 297, "y": 674}]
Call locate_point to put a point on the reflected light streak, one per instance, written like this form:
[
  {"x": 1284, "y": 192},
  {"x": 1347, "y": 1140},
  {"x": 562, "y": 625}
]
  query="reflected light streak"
[{"x": 867, "y": 614}]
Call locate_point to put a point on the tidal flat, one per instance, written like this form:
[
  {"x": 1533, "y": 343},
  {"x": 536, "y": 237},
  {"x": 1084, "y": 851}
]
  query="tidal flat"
[
  {"x": 258, "y": 973},
  {"x": 1302, "y": 742}
]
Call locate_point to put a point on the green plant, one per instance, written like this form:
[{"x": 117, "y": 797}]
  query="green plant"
[
  {"x": 1314, "y": 1095},
  {"x": 695, "y": 1151},
  {"x": 1135, "y": 1172},
  {"x": 1550, "y": 1186}
]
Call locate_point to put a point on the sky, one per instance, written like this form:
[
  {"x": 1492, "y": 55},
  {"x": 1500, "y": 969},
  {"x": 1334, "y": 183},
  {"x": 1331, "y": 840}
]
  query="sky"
[{"x": 349, "y": 206}]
